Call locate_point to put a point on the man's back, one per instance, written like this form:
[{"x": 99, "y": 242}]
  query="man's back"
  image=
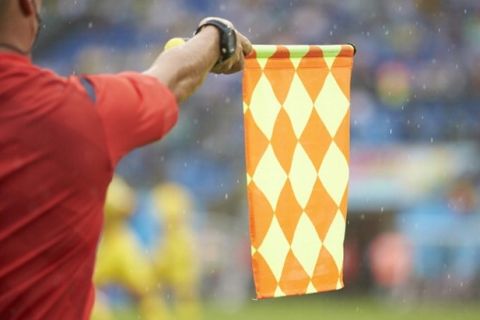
[
  {"x": 60, "y": 140},
  {"x": 54, "y": 169}
]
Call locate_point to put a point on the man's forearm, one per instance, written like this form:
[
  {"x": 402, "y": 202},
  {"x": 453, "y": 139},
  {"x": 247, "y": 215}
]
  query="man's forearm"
[{"x": 184, "y": 68}]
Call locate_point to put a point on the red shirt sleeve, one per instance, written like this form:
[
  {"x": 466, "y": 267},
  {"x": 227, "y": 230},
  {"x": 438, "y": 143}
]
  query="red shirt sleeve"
[{"x": 135, "y": 110}]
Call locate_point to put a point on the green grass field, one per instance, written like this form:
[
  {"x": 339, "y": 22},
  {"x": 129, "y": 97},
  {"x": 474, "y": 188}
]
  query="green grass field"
[
  {"x": 337, "y": 308},
  {"x": 344, "y": 309}
]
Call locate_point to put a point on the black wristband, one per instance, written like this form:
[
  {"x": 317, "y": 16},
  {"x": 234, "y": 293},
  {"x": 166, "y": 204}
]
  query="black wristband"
[{"x": 228, "y": 37}]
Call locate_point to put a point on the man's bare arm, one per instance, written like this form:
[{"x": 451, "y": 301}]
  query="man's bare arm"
[{"x": 184, "y": 68}]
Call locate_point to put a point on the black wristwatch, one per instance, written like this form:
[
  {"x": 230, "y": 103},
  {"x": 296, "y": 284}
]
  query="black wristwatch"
[{"x": 228, "y": 37}]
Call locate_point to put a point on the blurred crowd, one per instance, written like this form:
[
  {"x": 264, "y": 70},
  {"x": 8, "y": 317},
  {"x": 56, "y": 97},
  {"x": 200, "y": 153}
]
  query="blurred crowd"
[
  {"x": 416, "y": 80},
  {"x": 429, "y": 250},
  {"x": 416, "y": 73}
]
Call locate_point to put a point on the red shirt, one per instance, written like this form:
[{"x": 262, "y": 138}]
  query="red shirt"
[{"x": 58, "y": 151}]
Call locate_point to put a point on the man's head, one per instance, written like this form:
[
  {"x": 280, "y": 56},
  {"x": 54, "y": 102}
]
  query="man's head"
[{"x": 20, "y": 24}]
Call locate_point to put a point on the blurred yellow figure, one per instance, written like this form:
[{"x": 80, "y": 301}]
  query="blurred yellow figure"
[
  {"x": 120, "y": 259},
  {"x": 101, "y": 311},
  {"x": 175, "y": 261}
]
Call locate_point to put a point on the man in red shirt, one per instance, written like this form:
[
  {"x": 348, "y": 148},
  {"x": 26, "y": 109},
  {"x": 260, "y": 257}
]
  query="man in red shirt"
[{"x": 60, "y": 140}]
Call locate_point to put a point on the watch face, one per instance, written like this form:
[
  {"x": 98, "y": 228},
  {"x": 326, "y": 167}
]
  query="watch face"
[{"x": 231, "y": 42}]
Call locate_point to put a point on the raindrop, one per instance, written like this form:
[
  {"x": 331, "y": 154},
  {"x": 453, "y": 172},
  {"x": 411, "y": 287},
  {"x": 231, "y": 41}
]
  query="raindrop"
[
  {"x": 90, "y": 25},
  {"x": 226, "y": 196}
]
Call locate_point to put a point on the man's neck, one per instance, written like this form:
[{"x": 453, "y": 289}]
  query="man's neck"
[
  {"x": 8, "y": 48},
  {"x": 15, "y": 37}
]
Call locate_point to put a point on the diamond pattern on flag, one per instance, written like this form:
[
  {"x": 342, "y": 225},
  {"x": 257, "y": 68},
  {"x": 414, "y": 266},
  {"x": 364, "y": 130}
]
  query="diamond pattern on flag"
[{"x": 297, "y": 141}]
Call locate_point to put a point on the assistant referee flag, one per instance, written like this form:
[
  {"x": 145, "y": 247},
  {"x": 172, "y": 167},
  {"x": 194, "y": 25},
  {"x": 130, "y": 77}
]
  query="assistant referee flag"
[{"x": 297, "y": 118}]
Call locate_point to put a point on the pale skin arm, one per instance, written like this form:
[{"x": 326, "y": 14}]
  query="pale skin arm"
[{"x": 182, "y": 69}]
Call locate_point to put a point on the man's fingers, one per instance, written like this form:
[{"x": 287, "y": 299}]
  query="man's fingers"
[
  {"x": 232, "y": 65},
  {"x": 237, "y": 66},
  {"x": 245, "y": 44}
]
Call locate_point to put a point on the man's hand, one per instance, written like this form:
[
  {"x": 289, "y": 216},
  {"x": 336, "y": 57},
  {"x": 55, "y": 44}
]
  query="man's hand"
[
  {"x": 184, "y": 68},
  {"x": 236, "y": 61}
]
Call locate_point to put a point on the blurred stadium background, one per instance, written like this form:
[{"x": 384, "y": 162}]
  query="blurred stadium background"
[{"x": 176, "y": 242}]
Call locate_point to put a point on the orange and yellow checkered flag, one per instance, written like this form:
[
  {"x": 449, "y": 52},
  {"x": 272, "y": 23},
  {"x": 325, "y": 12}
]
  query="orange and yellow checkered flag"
[{"x": 297, "y": 119}]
